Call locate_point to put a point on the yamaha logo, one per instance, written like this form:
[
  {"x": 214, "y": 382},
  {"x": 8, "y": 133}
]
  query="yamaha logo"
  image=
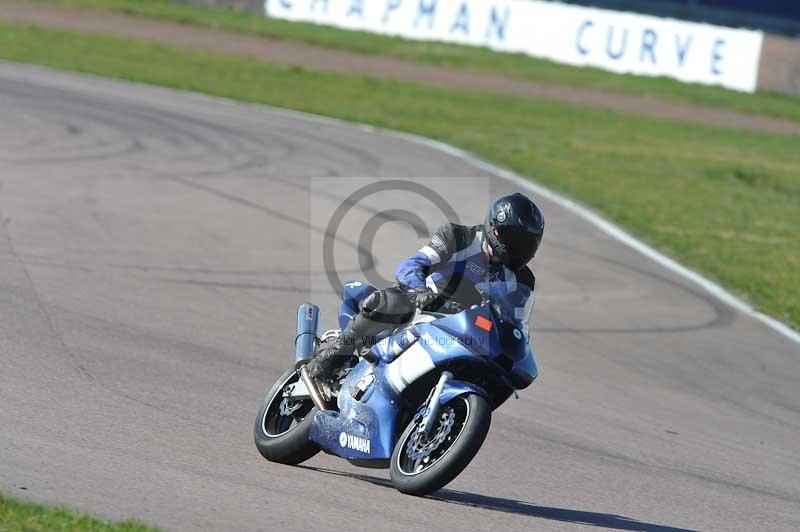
[
  {"x": 517, "y": 334},
  {"x": 354, "y": 442}
]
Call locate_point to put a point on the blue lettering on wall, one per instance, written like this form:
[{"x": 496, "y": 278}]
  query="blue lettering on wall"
[
  {"x": 356, "y": 8},
  {"x": 391, "y": 5},
  {"x": 682, "y": 48},
  {"x": 285, "y": 4},
  {"x": 610, "y": 39},
  {"x": 716, "y": 56},
  {"x": 649, "y": 38},
  {"x": 426, "y": 10},
  {"x": 497, "y": 24},
  {"x": 461, "y": 23},
  {"x": 579, "y": 37}
]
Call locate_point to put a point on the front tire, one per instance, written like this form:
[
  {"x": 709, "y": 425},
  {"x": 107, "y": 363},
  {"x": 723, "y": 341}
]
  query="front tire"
[
  {"x": 282, "y": 426},
  {"x": 422, "y": 464}
]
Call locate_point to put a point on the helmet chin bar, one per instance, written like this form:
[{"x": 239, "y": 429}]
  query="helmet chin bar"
[{"x": 487, "y": 250}]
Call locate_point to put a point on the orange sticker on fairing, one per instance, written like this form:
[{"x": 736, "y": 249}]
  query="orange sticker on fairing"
[{"x": 483, "y": 323}]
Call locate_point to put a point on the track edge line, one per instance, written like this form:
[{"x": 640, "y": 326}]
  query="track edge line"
[{"x": 608, "y": 227}]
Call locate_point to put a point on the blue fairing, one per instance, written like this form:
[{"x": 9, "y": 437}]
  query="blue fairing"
[
  {"x": 525, "y": 370},
  {"x": 461, "y": 327},
  {"x": 506, "y": 342},
  {"x": 371, "y": 403},
  {"x": 372, "y": 417}
]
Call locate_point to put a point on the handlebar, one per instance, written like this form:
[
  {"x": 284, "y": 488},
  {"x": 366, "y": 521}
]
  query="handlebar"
[
  {"x": 436, "y": 315},
  {"x": 452, "y": 306}
]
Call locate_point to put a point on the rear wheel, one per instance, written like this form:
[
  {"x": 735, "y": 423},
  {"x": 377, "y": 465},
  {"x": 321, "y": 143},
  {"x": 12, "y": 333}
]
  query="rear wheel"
[
  {"x": 423, "y": 463},
  {"x": 282, "y": 425}
]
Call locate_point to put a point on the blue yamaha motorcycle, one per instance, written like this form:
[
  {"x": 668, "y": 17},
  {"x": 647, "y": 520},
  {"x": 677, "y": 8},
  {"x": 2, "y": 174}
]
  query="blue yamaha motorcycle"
[{"x": 419, "y": 401}]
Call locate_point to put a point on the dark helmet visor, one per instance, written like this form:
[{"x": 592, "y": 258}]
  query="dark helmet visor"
[{"x": 520, "y": 244}]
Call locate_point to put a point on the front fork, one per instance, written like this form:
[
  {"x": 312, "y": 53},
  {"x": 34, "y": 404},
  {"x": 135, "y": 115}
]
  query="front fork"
[{"x": 432, "y": 415}]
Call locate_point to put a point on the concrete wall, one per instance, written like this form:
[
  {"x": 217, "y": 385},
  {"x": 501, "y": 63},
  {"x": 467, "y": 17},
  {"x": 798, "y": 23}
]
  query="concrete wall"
[{"x": 779, "y": 69}]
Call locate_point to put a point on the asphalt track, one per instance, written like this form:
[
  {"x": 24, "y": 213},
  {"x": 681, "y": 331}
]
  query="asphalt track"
[{"x": 154, "y": 246}]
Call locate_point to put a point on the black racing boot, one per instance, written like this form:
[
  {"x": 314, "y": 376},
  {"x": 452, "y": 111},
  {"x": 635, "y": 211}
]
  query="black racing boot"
[
  {"x": 379, "y": 311},
  {"x": 322, "y": 367},
  {"x": 359, "y": 332}
]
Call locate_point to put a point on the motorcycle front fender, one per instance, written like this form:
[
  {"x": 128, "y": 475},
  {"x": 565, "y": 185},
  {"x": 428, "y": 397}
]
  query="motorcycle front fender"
[{"x": 454, "y": 388}]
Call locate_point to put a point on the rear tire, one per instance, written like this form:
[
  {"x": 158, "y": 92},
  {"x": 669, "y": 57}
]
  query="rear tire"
[
  {"x": 424, "y": 474},
  {"x": 284, "y": 438}
]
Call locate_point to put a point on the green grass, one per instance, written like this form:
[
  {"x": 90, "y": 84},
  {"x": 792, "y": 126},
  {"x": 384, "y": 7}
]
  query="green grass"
[
  {"x": 723, "y": 201},
  {"x": 28, "y": 517},
  {"x": 471, "y": 58}
]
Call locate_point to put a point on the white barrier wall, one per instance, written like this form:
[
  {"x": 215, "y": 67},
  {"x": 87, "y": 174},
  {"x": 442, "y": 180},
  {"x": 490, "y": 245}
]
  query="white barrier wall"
[{"x": 616, "y": 41}]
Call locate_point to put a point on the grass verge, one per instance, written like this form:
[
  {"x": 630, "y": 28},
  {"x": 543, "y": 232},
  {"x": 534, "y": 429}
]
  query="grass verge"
[
  {"x": 24, "y": 516},
  {"x": 722, "y": 201},
  {"x": 466, "y": 57}
]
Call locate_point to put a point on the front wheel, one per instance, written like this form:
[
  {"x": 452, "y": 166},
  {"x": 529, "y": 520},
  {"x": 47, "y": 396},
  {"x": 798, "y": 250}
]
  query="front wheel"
[
  {"x": 422, "y": 464},
  {"x": 282, "y": 425}
]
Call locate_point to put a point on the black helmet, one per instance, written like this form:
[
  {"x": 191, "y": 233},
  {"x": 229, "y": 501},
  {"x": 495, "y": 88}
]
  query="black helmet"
[{"x": 513, "y": 230}]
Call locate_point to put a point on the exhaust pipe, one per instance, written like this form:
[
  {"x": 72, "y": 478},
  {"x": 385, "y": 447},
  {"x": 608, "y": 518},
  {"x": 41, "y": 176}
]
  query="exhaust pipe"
[
  {"x": 305, "y": 341},
  {"x": 313, "y": 391}
]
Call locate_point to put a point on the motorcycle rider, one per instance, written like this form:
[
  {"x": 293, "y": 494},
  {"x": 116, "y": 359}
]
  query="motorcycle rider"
[{"x": 447, "y": 269}]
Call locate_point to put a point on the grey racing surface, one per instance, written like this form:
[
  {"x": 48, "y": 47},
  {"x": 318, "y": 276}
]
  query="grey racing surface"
[{"x": 154, "y": 246}]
